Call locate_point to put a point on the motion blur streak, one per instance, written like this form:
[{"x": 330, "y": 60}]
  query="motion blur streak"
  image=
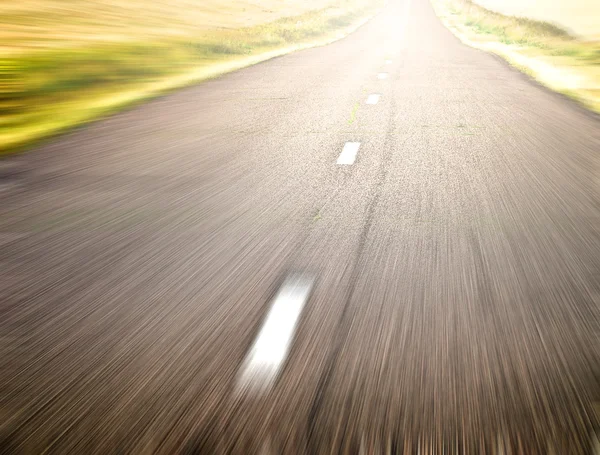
[{"x": 456, "y": 263}]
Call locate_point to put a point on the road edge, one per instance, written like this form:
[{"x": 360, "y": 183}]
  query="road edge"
[
  {"x": 555, "y": 78},
  {"x": 108, "y": 105}
]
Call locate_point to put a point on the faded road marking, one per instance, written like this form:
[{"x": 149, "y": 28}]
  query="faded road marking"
[
  {"x": 348, "y": 155},
  {"x": 373, "y": 98},
  {"x": 382, "y": 76},
  {"x": 270, "y": 349}
]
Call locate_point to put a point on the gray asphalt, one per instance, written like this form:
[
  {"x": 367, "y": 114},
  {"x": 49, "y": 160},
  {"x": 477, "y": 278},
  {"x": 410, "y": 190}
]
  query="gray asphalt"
[{"x": 455, "y": 306}]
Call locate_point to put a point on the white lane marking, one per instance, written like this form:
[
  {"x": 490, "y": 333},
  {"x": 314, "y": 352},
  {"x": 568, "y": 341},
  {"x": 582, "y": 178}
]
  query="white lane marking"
[
  {"x": 348, "y": 155},
  {"x": 373, "y": 98},
  {"x": 382, "y": 76},
  {"x": 388, "y": 62},
  {"x": 270, "y": 349}
]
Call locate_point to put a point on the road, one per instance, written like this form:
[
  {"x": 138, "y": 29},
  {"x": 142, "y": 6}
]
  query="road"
[{"x": 200, "y": 275}]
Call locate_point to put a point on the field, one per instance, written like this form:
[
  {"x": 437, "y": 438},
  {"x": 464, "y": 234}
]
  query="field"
[
  {"x": 558, "y": 59},
  {"x": 579, "y": 17},
  {"x": 30, "y": 24},
  {"x": 64, "y": 62}
]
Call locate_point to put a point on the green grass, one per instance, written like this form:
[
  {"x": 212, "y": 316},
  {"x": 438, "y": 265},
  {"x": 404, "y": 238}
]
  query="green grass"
[
  {"x": 52, "y": 88},
  {"x": 533, "y": 39},
  {"x": 522, "y": 31},
  {"x": 579, "y": 17}
]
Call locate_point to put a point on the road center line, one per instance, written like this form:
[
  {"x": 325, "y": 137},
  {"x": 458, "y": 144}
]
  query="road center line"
[
  {"x": 373, "y": 98},
  {"x": 382, "y": 76},
  {"x": 348, "y": 155},
  {"x": 271, "y": 347}
]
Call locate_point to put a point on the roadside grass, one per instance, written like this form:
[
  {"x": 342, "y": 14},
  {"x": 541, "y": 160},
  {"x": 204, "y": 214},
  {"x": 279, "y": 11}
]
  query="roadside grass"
[
  {"x": 48, "y": 89},
  {"x": 539, "y": 47},
  {"x": 579, "y": 17}
]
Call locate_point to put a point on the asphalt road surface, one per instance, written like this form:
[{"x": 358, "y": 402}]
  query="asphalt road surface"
[{"x": 218, "y": 271}]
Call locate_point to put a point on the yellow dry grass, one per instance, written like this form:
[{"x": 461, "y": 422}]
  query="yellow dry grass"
[
  {"x": 64, "y": 62},
  {"x": 580, "y": 17},
  {"x": 557, "y": 59},
  {"x": 50, "y": 23}
]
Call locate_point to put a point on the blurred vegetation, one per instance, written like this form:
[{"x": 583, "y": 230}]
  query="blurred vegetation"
[
  {"x": 49, "y": 84},
  {"x": 539, "y": 40},
  {"x": 527, "y": 32}
]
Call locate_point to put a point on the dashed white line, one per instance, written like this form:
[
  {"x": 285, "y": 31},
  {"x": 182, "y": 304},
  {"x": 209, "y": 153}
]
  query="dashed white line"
[
  {"x": 270, "y": 349},
  {"x": 348, "y": 155},
  {"x": 382, "y": 76},
  {"x": 373, "y": 98}
]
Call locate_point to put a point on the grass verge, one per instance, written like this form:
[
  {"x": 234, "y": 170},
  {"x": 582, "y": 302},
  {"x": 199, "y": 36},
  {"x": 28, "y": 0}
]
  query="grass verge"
[
  {"x": 47, "y": 90},
  {"x": 546, "y": 52}
]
